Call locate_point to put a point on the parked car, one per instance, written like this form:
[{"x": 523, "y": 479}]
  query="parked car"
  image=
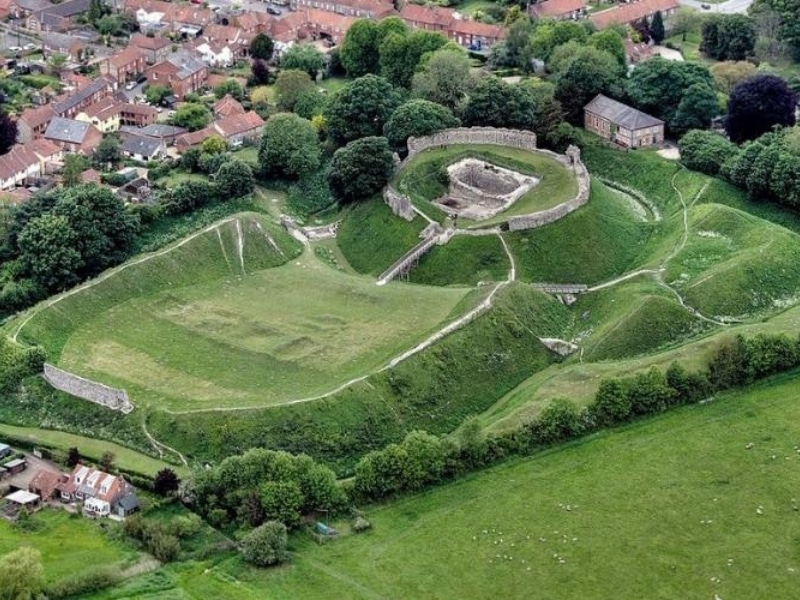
[
  {"x": 15, "y": 49},
  {"x": 30, "y": 46},
  {"x": 273, "y": 11},
  {"x": 705, "y": 6},
  {"x": 130, "y": 85}
]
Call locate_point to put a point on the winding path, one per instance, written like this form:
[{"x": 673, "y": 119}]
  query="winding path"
[{"x": 160, "y": 446}]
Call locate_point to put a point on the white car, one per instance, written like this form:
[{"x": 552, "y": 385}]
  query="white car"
[
  {"x": 130, "y": 85},
  {"x": 30, "y": 46},
  {"x": 15, "y": 49}
]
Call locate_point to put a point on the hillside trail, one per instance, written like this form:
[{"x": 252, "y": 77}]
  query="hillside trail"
[
  {"x": 469, "y": 316},
  {"x": 160, "y": 446}
]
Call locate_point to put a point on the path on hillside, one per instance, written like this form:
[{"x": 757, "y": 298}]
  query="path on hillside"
[
  {"x": 485, "y": 305},
  {"x": 160, "y": 446}
]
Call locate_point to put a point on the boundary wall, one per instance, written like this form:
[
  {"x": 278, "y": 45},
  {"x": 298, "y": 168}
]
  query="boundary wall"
[
  {"x": 113, "y": 398},
  {"x": 495, "y": 136}
]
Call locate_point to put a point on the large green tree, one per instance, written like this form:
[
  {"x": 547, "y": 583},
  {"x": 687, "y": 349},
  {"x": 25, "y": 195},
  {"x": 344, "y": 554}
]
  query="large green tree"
[
  {"x": 266, "y": 545},
  {"x": 359, "y": 50},
  {"x": 696, "y": 109},
  {"x": 728, "y": 37},
  {"x": 360, "y": 169},
  {"x": 262, "y": 46},
  {"x": 21, "y": 574},
  {"x": 234, "y": 179},
  {"x": 289, "y": 85},
  {"x": 417, "y": 118},
  {"x": 191, "y": 116},
  {"x": 657, "y": 31},
  {"x": 303, "y": 57},
  {"x": 495, "y": 103},
  {"x": 582, "y": 80},
  {"x": 289, "y": 147},
  {"x": 361, "y": 109},
  {"x": 48, "y": 253},
  {"x": 445, "y": 78},
  {"x": 705, "y": 151}
]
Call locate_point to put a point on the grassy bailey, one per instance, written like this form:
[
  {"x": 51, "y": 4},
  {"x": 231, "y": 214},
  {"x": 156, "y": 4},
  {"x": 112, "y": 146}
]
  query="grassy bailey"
[
  {"x": 735, "y": 264},
  {"x": 186, "y": 263},
  {"x": 590, "y": 245},
  {"x": 462, "y": 375},
  {"x": 422, "y": 178},
  {"x": 371, "y": 237},
  {"x": 463, "y": 260}
]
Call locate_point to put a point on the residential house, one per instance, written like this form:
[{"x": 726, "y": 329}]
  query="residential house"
[
  {"x": 188, "y": 20},
  {"x": 222, "y": 45},
  {"x": 253, "y": 23},
  {"x": 194, "y": 139},
  {"x": 635, "y": 12},
  {"x": 622, "y": 124},
  {"x": 126, "y": 505},
  {"x": 464, "y": 32},
  {"x": 215, "y": 54},
  {"x": 103, "y": 114},
  {"x": 100, "y": 492},
  {"x": 359, "y": 9},
  {"x": 45, "y": 482},
  {"x": 142, "y": 147},
  {"x": 290, "y": 28},
  {"x": 167, "y": 133},
  {"x": 33, "y": 122},
  {"x": 333, "y": 26},
  {"x": 49, "y": 154},
  {"x": 126, "y": 65},
  {"x": 69, "y": 105},
  {"x": 238, "y": 129},
  {"x": 137, "y": 115},
  {"x": 73, "y": 136},
  {"x": 19, "y": 166},
  {"x": 182, "y": 72},
  {"x": 57, "y": 17},
  {"x": 23, "y": 8},
  {"x": 155, "y": 49},
  {"x": 227, "y": 106},
  {"x": 558, "y": 9},
  {"x": 151, "y": 15},
  {"x": 59, "y": 43}
]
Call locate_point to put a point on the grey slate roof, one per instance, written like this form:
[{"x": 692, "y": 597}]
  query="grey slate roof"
[
  {"x": 79, "y": 96},
  {"x": 140, "y": 144},
  {"x": 159, "y": 130},
  {"x": 186, "y": 63},
  {"x": 128, "y": 502},
  {"x": 621, "y": 114},
  {"x": 67, "y": 130},
  {"x": 69, "y": 8}
]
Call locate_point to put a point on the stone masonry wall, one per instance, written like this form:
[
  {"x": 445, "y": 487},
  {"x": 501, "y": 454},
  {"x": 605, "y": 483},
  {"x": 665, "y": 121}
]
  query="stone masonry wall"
[
  {"x": 472, "y": 135},
  {"x": 400, "y": 205},
  {"x": 92, "y": 391}
]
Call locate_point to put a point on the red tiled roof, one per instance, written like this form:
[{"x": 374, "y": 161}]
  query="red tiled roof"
[
  {"x": 191, "y": 15},
  {"x": 36, "y": 117},
  {"x": 438, "y": 16},
  {"x": 126, "y": 57},
  {"x": 94, "y": 110},
  {"x": 557, "y": 8},
  {"x": 17, "y": 160},
  {"x": 476, "y": 28},
  {"x": 238, "y": 124},
  {"x": 224, "y": 33},
  {"x": 329, "y": 20},
  {"x": 195, "y": 138},
  {"x": 148, "y": 43},
  {"x": 43, "y": 148},
  {"x": 628, "y": 13},
  {"x": 138, "y": 109},
  {"x": 45, "y": 482},
  {"x": 90, "y": 176},
  {"x": 250, "y": 21},
  {"x": 228, "y": 106}
]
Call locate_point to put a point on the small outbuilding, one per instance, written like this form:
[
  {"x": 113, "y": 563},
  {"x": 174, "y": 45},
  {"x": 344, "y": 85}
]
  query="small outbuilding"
[
  {"x": 622, "y": 124},
  {"x": 18, "y": 465},
  {"x": 24, "y": 499},
  {"x": 5, "y": 450}
]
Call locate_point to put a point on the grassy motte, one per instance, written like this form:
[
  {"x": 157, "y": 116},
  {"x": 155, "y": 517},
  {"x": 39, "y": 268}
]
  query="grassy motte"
[
  {"x": 423, "y": 181},
  {"x": 465, "y": 260}
]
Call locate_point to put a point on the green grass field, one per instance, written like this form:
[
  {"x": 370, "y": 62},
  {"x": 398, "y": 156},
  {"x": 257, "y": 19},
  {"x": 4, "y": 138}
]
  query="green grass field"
[
  {"x": 672, "y": 507},
  {"x": 69, "y": 545},
  {"x": 420, "y": 180},
  {"x": 237, "y": 333},
  {"x": 464, "y": 260}
]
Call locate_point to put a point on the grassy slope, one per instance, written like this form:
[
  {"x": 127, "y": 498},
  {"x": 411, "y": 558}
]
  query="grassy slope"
[
  {"x": 420, "y": 182},
  {"x": 464, "y": 260},
  {"x": 91, "y": 448},
  {"x": 735, "y": 264},
  {"x": 372, "y": 238},
  {"x": 593, "y": 244},
  {"x": 464, "y": 374},
  {"x": 661, "y": 508},
  {"x": 69, "y": 546}
]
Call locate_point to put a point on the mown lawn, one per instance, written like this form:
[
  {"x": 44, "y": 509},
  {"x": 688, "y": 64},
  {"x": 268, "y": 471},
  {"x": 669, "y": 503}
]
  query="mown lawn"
[{"x": 69, "y": 545}]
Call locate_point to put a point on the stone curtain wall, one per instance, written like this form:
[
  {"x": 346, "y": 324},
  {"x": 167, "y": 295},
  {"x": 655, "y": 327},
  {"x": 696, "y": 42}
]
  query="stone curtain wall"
[
  {"x": 472, "y": 135},
  {"x": 92, "y": 391},
  {"x": 400, "y": 205},
  {"x": 571, "y": 160}
]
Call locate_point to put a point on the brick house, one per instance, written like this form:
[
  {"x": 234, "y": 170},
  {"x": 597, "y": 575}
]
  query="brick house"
[
  {"x": 227, "y": 106},
  {"x": 319, "y": 23},
  {"x": 58, "y": 17},
  {"x": 101, "y": 493},
  {"x": 60, "y": 43},
  {"x": 18, "y": 166},
  {"x": 104, "y": 114},
  {"x": 432, "y": 18},
  {"x": 238, "y": 129},
  {"x": 156, "y": 49},
  {"x": 69, "y": 105},
  {"x": 137, "y": 115},
  {"x": 253, "y": 23},
  {"x": 558, "y": 9},
  {"x": 358, "y": 9},
  {"x": 126, "y": 65},
  {"x": 33, "y": 122},
  {"x": 629, "y": 14},
  {"x": 464, "y": 32},
  {"x": 622, "y": 124},
  {"x": 194, "y": 138},
  {"x": 73, "y": 136},
  {"x": 182, "y": 72}
]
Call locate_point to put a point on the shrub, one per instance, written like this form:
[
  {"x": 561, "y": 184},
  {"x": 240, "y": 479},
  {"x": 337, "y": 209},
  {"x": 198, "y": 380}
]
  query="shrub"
[
  {"x": 705, "y": 151},
  {"x": 361, "y": 525},
  {"x": 266, "y": 545}
]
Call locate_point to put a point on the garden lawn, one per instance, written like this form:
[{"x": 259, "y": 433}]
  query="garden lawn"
[
  {"x": 673, "y": 507},
  {"x": 69, "y": 545}
]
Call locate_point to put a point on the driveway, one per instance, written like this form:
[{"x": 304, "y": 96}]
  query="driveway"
[
  {"x": 21, "y": 480},
  {"x": 728, "y": 7}
]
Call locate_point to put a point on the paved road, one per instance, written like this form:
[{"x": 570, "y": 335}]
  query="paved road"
[{"x": 731, "y": 6}]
